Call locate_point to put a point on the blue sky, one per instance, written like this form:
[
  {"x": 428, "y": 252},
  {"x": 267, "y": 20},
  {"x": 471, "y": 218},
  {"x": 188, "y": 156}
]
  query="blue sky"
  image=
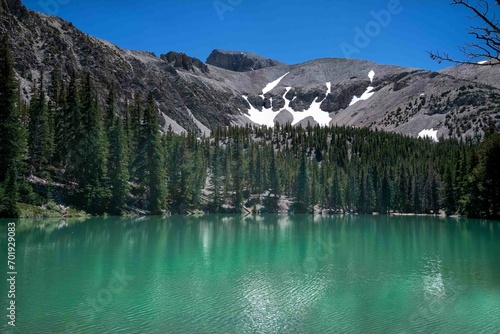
[{"x": 287, "y": 30}]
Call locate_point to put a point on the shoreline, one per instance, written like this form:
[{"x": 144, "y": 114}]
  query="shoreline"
[{"x": 52, "y": 210}]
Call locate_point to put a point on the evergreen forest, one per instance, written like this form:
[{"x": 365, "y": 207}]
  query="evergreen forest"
[{"x": 64, "y": 147}]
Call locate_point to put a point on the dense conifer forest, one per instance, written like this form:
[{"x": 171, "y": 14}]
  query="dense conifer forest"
[{"x": 64, "y": 147}]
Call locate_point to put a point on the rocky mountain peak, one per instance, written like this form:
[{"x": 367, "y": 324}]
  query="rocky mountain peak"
[
  {"x": 181, "y": 60},
  {"x": 240, "y": 61}
]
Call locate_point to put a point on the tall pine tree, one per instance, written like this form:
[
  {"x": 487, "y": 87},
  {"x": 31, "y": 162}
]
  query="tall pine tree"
[
  {"x": 301, "y": 204},
  {"x": 151, "y": 170},
  {"x": 118, "y": 167},
  {"x": 69, "y": 129},
  {"x": 91, "y": 155},
  {"x": 40, "y": 140},
  {"x": 12, "y": 138}
]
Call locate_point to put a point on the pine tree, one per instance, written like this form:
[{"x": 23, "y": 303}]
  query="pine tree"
[
  {"x": 401, "y": 194},
  {"x": 136, "y": 115},
  {"x": 385, "y": 193},
  {"x": 197, "y": 166},
  {"x": 109, "y": 116},
  {"x": 259, "y": 172},
  {"x": 127, "y": 127},
  {"x": 40, "y": 140},
  {"x": 178, "y": 171},
  {"x": 274, "y": 176},
  {"x": 301, "y": 204},
  {"x": 431, "y": 192},
  {"x": 91, "y": 155},
  {"x": 315, "y": 186},
  {"x": 447, "y": 194},
  {"x": 336, "y": 202},
  {"x": 10, "y": 208},
  {"x": 216, "y": 179},
  {"x": 362, "y": 206},
  {"x": 135, "y": 134},
  {"x": 487, "y": 177},
  {"x": 58, "y": 118},
  {"x": 415, "y": 195},
  {"x": 184, "y": 184},
  {"x": 150, "y": 160},
  {"x": 69, "y": 128},
  {"x": 238, "y": 173},
  {"x": 12, "y": 143},
  {"x": 118, "y": 167},
  {"x": 469, "y": 203}
]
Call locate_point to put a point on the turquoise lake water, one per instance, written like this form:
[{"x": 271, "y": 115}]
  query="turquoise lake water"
[{"x": 265, "y": 274}]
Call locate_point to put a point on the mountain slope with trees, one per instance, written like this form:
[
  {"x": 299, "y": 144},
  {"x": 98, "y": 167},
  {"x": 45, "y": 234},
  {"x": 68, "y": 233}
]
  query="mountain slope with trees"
[
  {"x": 103, "y": 161},
  {"x": 88, "y": 125}
]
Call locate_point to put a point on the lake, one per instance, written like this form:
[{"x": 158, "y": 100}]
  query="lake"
[{"x": 264, "y": 274}]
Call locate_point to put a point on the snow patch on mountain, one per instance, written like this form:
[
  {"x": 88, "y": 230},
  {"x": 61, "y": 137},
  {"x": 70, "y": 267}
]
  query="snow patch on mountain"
[
  {"x": 270, "y": 86},
  {"x": 367, "y": 94},
  {"x": 321, "y": 117},
  {"x": 371, "y": 75},
  {"x": 267, "y": 115},
  {"x": 264, "y": 117},
  {"x": 429, "y": 133}
]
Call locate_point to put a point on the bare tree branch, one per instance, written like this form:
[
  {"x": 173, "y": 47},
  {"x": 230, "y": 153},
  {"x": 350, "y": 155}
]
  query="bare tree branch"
[
  {"x": 482, "y": 15},
  {"x": 488, "y": 36}
]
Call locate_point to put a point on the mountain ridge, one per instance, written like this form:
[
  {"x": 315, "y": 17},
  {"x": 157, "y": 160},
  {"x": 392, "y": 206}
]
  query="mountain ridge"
[
  {"x": 201, "y": 96},
  {"x": 240, "y": 61}
]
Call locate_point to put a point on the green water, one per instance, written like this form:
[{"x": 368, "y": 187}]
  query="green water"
[{"x": 270, "y": 274}]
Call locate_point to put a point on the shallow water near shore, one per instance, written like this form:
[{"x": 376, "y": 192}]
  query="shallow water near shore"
[{"x": 264, "y": 274}]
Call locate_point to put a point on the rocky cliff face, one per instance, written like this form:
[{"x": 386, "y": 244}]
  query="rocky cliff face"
[
  {"x": 42, "y": 42},
  {"x": 183, "y": 61},
  {"x": 488, "y": 75},
  {"x": 12, "y": 6},
  {"x": 240, "y": 61},
  {"x": 243, "y": 88}
]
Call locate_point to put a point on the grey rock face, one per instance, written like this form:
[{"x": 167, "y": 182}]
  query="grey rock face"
[
  {"x": 181, "y": 60},
  {"x": 341, "y": 96},
  {"x": 182, "y": 87},
  {"x": 488, "y": 75},
  {"x": 283, "y": 117},
  {"x": 14, "y": 7},
  {"x": 240, "y": 61}
]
